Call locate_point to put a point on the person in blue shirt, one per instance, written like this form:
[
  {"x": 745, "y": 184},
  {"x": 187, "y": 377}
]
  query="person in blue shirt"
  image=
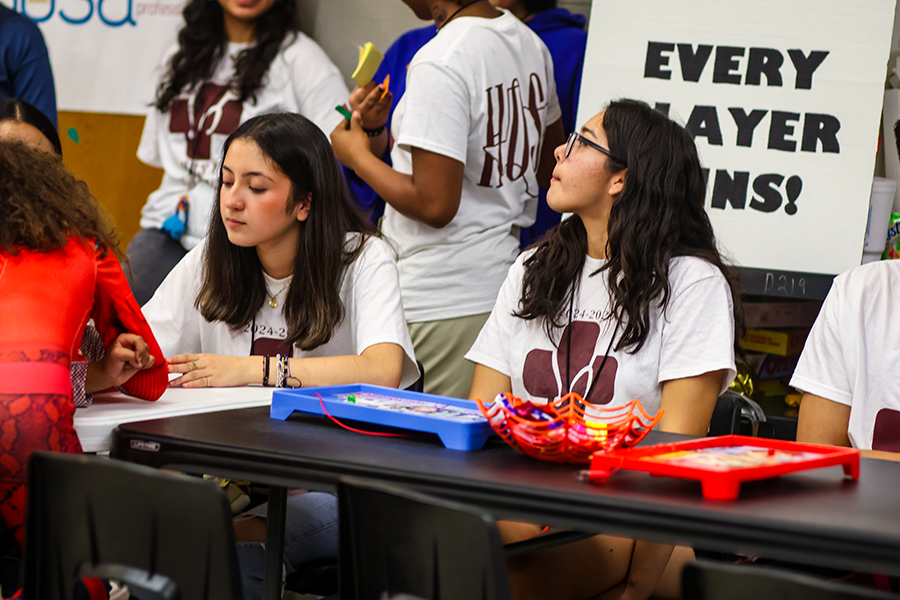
[
  {"x": 24, "y": 63},
  {"x": 564, "y": 34}
]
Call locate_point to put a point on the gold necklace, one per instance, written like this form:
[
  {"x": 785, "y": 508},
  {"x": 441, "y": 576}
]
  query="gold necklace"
[{"x": 274, "y": 301}]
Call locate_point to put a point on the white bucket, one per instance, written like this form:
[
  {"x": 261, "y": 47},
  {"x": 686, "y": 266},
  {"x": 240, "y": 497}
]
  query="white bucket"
[
  {"x": 890, "y": 115},
  {"x": 880, "y": 203}
]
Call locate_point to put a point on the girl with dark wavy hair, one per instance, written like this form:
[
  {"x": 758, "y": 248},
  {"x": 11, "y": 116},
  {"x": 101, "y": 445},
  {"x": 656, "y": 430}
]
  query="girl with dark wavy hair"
[
  {"x": 628, "y": 298},
  {"x": 58, "y": 269},
  {"x": 291, "y": 288},
  {"x": 235, "y": 59}
]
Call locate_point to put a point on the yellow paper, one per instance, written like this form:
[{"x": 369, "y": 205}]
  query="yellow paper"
[{"x": 369, "y": 60}]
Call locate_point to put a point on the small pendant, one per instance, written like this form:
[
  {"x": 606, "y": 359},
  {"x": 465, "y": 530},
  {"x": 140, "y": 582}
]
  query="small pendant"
[{"x": 273, "y": 302}]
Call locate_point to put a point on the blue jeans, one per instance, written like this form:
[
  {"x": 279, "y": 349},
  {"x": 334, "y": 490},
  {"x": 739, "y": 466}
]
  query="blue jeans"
[{"x": 310, "y": 533}]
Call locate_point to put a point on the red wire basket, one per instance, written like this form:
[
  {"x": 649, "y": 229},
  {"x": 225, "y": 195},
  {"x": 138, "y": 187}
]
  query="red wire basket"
[{"x": 568, "y": 429}]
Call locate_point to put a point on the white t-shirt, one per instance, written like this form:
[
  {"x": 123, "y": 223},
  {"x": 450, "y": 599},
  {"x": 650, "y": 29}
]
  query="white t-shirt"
[
  {"x": 482, "y": 93},
  {"x": 852, "y": 354},
  {"x": 370, "y": 292},
  {"x": 188, "y": 138},
  {"x": 694, "y": 336}
]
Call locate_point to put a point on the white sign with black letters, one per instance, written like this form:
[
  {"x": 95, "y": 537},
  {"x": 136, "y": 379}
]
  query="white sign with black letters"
[{"x": 784, "y": 99}]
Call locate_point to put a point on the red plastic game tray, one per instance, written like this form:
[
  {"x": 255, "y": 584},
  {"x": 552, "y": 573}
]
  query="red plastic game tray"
[{"x": 721, "y": 464}]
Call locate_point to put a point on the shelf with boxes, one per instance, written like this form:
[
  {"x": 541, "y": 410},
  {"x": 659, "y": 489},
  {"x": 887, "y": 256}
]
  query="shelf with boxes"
[{"x": 776, "y": 332}]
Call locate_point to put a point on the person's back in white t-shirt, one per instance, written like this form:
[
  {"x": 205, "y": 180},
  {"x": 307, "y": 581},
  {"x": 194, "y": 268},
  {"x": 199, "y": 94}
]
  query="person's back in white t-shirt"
[
  {"x": 849, "y": 364},
  {"x": 481, "y": 92},
  {"x": 474, "y": 130}
]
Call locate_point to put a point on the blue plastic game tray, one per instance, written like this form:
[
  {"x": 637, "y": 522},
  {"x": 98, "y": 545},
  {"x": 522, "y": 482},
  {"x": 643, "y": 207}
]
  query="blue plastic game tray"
[{"x": 458, "y": 423}]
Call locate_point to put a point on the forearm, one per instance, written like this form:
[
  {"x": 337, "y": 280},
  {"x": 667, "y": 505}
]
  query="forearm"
[
  {"x": 379, "y": 364},
  {"x": 881, "y": 455},
  {"x": 397, "y": 189},
  {"x": 337, "y": 370},
  {"x": 378, "y": 144},
  {"x": 97, "y": 380}
]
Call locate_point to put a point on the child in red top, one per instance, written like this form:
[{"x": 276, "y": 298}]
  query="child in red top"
[{"x": 57, "y": 271}]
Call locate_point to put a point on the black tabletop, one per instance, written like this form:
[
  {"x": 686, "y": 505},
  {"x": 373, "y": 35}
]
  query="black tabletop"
[{"x": 816, "y": 516}]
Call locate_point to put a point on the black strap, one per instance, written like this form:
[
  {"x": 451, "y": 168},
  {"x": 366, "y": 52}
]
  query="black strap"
[{"x": 569, "y": 350}]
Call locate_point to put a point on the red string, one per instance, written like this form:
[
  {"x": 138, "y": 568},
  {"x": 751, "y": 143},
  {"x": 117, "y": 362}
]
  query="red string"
[{"x": 348, "y": 428}]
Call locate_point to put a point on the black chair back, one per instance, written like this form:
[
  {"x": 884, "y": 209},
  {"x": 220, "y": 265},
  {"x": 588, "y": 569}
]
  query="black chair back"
[
  {"x": 401, "y": 542},
  {"x": 726, "y": 417},
  {"x": 735, "y": 413},
  {"x": 167, "y": 536},
  {"x": 704, "y": 580},
  {"x": 419, "y": 384}
]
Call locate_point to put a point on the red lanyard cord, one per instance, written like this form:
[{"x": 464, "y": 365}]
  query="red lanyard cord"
[{"x": 348, "y": 428}]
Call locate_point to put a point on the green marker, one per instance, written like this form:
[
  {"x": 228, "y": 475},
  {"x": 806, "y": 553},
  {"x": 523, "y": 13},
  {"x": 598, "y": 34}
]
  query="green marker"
[
  {"x": 351, "y": 398},
  {"x": 343, "y": 110}
]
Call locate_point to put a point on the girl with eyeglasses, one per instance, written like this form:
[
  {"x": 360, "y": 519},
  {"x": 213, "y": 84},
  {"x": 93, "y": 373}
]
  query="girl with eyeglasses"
[{"x": 628, "y": 298}]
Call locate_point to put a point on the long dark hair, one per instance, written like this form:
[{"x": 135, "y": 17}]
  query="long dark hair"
[
  {"x": 13, "y": 109},
  {"x": 202, "y": 43},
  {"x": 234, "y": 288},
  {"x": 658, "y": 215},
  {"x": 42, "y": 204}
]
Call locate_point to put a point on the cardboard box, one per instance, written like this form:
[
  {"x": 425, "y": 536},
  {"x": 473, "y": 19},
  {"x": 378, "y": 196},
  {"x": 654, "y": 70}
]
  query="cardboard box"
[
  {"x": 780, "y": 314},
  {"x": 786, "y": 342}
]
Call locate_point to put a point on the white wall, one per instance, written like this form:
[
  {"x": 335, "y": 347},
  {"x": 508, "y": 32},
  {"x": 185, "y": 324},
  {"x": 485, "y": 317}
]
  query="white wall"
[{"x": 340, "y": 26}]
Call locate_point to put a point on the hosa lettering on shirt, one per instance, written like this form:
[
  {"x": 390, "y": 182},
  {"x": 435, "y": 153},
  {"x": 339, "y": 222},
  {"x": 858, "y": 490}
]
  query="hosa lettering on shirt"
[{"x": 514, "y": 130}]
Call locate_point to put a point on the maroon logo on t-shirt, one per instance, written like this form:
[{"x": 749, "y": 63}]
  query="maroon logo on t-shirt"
[
  {"x": 886, "y": 433},
  {"x": 271, "y": 347},
  {"x": 210, "y": 114},
  {"x": 514, "y": 130},
  {"x": 541, "y": 379}
]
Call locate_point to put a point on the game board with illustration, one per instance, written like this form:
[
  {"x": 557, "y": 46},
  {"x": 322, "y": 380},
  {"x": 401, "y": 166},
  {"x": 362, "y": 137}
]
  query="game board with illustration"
[
  {"x": 722, "y": 463},
  {"x": 458, "y": 423}
]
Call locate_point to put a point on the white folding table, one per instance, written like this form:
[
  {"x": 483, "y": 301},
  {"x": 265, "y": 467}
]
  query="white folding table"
[{"x": 95, "y": 423}]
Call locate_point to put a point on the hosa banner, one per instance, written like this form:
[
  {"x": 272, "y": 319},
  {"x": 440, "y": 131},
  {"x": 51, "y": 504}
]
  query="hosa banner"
[
  {"x": 105, "y": 53},
  {"x": 784, "y": 100}
]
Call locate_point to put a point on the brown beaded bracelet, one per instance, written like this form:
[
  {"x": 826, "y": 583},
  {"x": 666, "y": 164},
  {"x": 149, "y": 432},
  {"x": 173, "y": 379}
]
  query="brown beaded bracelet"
[{"x": 374, "y": 132}]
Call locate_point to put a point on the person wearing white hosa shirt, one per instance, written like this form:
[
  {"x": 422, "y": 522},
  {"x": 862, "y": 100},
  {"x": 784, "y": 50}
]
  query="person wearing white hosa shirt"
[
  {"x": 235, "y": 59},
  {"x": 627, "y": 298},
  {"x": 289, "y": 289},
  {"x": 848, "y": 369},
  {"x": 480, "y": 98}
]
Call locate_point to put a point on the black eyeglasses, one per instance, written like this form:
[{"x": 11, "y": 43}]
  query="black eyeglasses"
[{"x": 576, "y": 137}]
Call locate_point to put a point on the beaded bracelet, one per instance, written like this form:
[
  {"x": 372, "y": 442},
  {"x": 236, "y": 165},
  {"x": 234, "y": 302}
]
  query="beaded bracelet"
[
  {"x": 283, "y": 373},
  {"x": 374, "y": 132},
  {"x": 266, "y": 370},
  {"x": 279, "y": 372}
]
